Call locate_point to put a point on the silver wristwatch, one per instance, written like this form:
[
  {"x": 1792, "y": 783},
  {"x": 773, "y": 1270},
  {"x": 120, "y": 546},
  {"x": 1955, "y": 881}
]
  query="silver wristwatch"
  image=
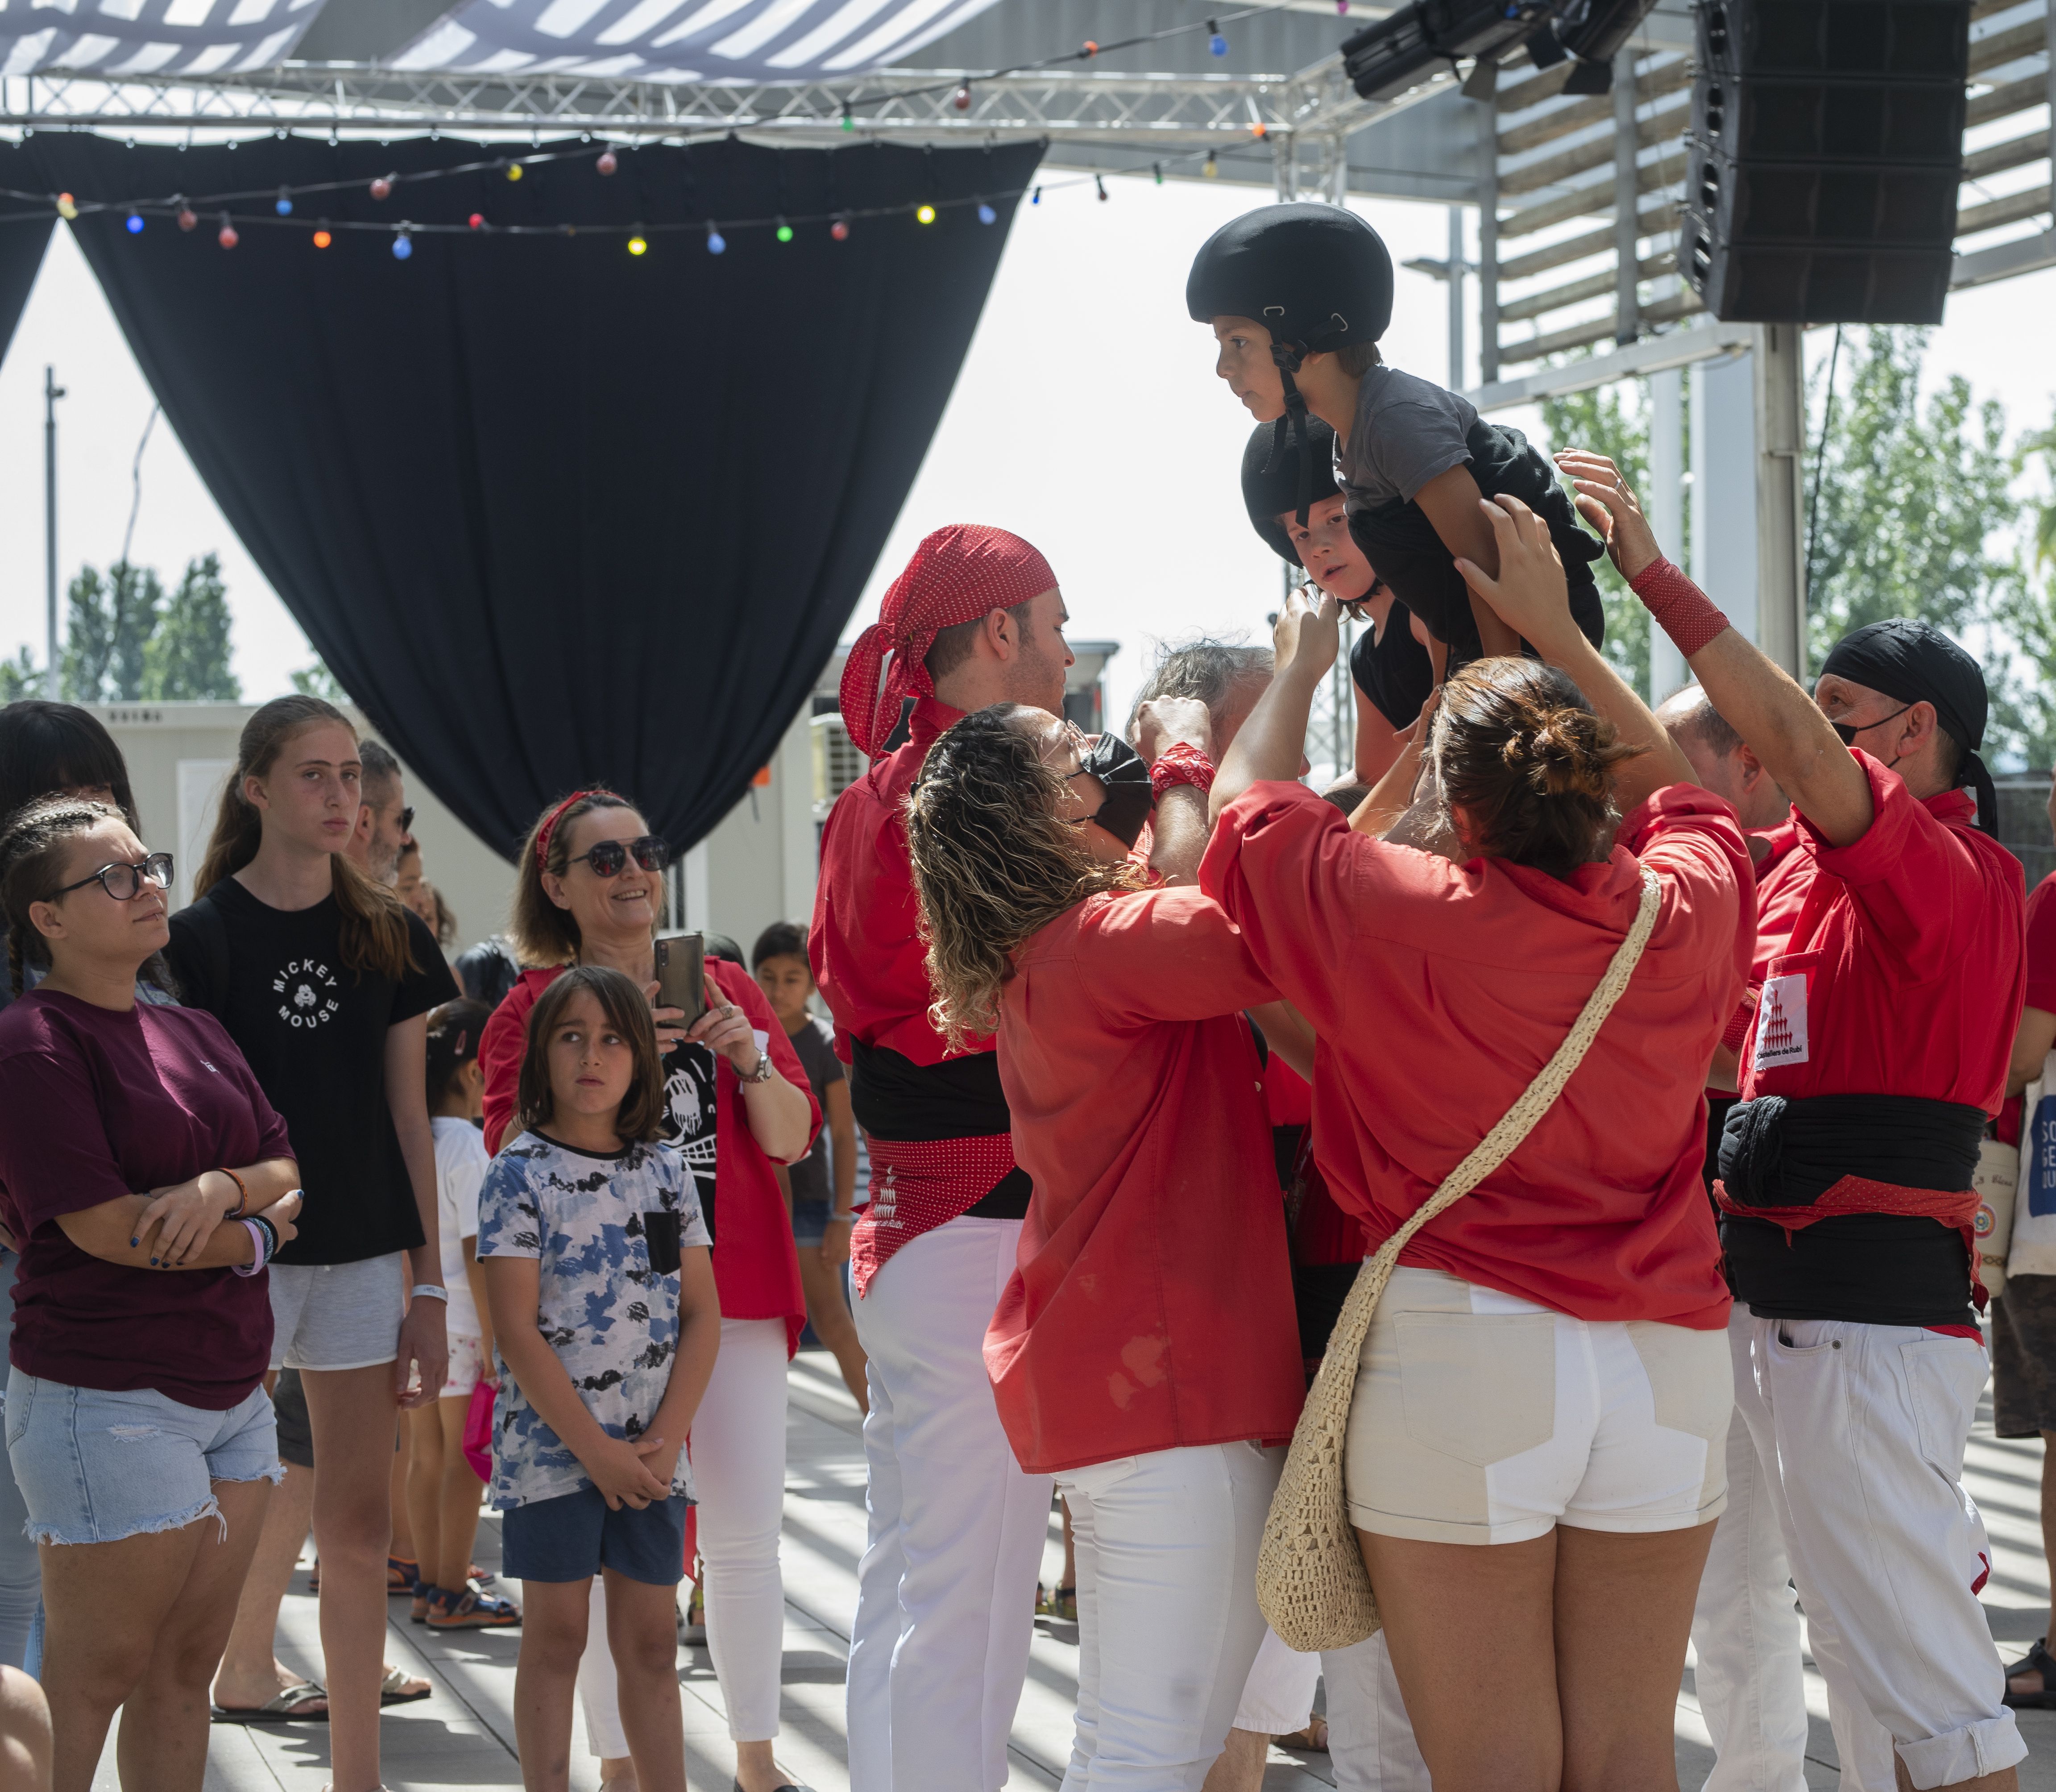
[{"x": 762, "y": 1073}]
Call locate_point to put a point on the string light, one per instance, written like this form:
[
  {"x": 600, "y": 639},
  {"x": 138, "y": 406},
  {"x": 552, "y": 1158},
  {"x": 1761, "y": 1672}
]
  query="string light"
[
  {"x": 1038, "y": 198},
  {"x": 986, "y": 214},
  {"x": 1101, "y": 186},
  {"x": 226, "y": 236},
  {"x": 513, "y": 171},
  {"x": 961, "y": 99},
  {"x": 135, "y": 225},
  {"x": 839, "y": 230},
  {"x": 608, "y": 162},
  {"x": 188, "y": 217},
  {"x": 403, "y": 244},
  {"x": 925, "y": 215},
  {"x": 322, "y": 239},
  {"x": 637, "y": 246},
  {"x": 1090, "y": 50},
  {"x": 1157, "y": 167},
  {"x": 381, "y": 187},
  {"x": 785, "y": 232},
  {"x": 67, "y": 207},
  {"x": 283, "y": 204},
  {"x": 477, "y": 220},
  {"x": 716, "y": 242},
  {"x": 1210, "y": 167},
  {"x": 849, "y": 123},
  {"x": 1216, "y": 42}
]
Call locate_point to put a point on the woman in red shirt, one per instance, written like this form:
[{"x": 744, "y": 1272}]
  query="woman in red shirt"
[
  {"x": 1537, "y": 1449},
  {"x": 737, "y": 1104},
  {"x": 1145, "y": 1349}
]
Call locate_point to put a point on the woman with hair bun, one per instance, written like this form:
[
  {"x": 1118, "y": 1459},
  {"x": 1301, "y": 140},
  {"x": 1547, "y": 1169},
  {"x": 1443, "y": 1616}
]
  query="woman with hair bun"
[{"x": 1535, "y": 1450}]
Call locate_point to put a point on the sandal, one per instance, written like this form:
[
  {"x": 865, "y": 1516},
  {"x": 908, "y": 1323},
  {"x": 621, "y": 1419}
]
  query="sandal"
[
  {"x": 2038, "y": 1660},
  {"x": 290, "y": 1707},
  {"x": 470, "y": 1609},
  {"x": 1312, "y": 1739},
  {"x": 1060, "y": 1603},
  {"x": 401, "y": 1575},
  {"x": 399, "y": 1688}
]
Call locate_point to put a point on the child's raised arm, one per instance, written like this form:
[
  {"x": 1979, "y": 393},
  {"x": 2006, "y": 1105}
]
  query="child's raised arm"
[
  {"x": 1450, "y": 501},
  {"x": 512, "y": 1287}
]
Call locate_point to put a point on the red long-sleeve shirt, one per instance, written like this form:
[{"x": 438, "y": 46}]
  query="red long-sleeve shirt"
[{"x": 1438, "y": 991}]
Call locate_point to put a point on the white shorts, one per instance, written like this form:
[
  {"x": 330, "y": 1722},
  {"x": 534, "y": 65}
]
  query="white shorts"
[
  {"x": 468, "y": 1367},
  {"x": 338, "y": 1315},
  {"x": 1481, "y": 1418}
]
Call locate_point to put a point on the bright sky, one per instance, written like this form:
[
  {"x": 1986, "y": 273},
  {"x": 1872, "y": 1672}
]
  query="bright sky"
[{"x": 1087, "y": 418}]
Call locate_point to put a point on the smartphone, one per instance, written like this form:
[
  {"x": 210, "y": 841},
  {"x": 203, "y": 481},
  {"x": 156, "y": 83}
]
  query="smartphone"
[{"x": 681, "y": 974}]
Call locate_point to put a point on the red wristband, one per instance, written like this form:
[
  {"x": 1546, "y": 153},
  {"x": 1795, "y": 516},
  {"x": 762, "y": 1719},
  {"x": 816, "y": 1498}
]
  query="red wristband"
[
  {"x": 1182, "y": 764},
  {"x": 1680, "y": 608}
]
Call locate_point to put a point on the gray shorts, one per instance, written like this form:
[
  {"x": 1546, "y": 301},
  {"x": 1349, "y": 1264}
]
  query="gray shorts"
[{"x": 338, "y": 1315}]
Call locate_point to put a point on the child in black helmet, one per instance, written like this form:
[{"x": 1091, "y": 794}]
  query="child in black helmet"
[
  {"x": 1298, "y": 296},
  {"x": 1394, "y": 665}
]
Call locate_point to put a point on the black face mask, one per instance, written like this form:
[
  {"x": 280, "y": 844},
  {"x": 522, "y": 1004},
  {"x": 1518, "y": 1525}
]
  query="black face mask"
[{"x": 1124, "y": 776}]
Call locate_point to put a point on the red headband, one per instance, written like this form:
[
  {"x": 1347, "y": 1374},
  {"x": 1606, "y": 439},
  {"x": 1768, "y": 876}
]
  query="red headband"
[
  {"x": 550, "y": 827},
  {"x": 957, "y": 575}
]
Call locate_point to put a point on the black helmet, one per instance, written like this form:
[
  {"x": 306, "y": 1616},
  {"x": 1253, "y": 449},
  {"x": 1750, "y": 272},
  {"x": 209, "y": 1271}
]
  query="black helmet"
[
  {"x": 1271, "y": 483},
  {"x": 1317, "y": 277}
]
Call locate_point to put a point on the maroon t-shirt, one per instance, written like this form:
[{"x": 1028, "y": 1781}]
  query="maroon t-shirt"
[{"x": 101, "y": 1104}]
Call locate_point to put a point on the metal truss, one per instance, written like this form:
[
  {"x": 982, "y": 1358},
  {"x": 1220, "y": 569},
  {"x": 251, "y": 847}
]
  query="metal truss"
[{"x": 1140, "y": 112}]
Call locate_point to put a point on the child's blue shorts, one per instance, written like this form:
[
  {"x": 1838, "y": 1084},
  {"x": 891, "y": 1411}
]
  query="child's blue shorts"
[{"x": 573, "y": 1536}]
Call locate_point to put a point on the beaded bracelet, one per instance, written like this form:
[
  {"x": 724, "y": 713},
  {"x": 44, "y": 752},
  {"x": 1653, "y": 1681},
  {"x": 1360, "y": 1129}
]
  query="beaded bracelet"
[{"x": 1181, "y": 764}]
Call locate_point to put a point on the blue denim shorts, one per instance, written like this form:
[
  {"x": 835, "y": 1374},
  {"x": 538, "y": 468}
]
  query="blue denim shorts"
[
  {"x": 95, "y": 1467},
  {"x": 573, "y": 1536},
  {"x": 810, "y": 1222}
]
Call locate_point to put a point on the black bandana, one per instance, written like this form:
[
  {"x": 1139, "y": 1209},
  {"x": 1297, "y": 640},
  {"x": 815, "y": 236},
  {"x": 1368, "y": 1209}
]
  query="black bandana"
[
  {"x": 1123, "y": 775},
  {"x": 1916, "y": 663}
]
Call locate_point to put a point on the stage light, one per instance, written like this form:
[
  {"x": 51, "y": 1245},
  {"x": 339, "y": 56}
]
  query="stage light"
[
  {"x": 135, "y": 225},
  {"x": 283, "y": 204},
  {"x": 716, "y": 242},
  {"x": 403, "y": 246},
  {"x": 67, "y": 207},
  {"x": 322, "y": 239},
  {"x": 785, "y": 232},
  {"x": 383, "y": 187},
  {"x": 986, "y": 214},
  {"x": 637, "y": 246},
  {"x": 226, "y": 236},
  {"x": 839, "y": 230},
  {"x": 608, "y": 161},
  {"x": 925, "y": 215}
]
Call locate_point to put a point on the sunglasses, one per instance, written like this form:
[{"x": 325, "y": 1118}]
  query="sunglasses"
[
  {"x": 406, "y": 820},
  {"x": 1848, "y": 731},
  {"x": 610, "y": 857},
  {"x": 125, "y": 883}
]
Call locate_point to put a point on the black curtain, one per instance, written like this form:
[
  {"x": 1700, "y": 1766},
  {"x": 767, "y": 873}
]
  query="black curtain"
[
  {"x": 22, "y": 240},
  {"x": 556, "y": 514}
]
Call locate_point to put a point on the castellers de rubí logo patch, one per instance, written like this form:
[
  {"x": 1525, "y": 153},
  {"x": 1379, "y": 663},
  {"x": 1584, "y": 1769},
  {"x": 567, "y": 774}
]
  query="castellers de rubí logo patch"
[{"x": 307, "y": 992}]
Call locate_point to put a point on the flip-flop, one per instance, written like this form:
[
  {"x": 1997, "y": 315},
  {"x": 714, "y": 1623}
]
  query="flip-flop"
[
  {"x": 286, "y": 1708},
  {"x": 2038, "y": 1659},
  {"x": 392, "y": 1689}
]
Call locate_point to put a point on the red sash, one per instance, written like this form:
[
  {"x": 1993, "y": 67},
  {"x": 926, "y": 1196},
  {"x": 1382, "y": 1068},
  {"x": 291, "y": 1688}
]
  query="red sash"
[{"x": 918, "y": 1184}]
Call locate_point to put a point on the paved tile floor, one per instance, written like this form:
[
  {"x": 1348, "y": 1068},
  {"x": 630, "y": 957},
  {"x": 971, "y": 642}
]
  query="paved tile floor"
[{"x": 463, "y": 1735}]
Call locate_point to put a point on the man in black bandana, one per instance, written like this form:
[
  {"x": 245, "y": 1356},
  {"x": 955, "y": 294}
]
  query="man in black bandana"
[{"x": 1881, "y": 1046}]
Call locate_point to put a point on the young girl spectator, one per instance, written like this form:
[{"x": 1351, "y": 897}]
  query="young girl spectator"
[
  {"x": 1152, "y": 1268},
  {"x": 1505, "y": 1473},
  {"x": 138, "y": 1423},
  {"x": 442, "y": 1492},
  {"x": 822, "y": 1215},
  {"x": 586, "y": 1213},
  {"x": 735, "y": 1105},
  {"x": 326, "y": 982}
]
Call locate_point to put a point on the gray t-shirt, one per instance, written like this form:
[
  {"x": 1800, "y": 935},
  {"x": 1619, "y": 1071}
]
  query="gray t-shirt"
[
  {"x": 817, "y": 1055},
  {"x": 1407, "y": 430}
]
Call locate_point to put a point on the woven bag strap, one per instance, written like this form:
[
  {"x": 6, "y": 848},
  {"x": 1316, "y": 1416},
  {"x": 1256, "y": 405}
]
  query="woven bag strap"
[{"x": 1504, "y": 1139}]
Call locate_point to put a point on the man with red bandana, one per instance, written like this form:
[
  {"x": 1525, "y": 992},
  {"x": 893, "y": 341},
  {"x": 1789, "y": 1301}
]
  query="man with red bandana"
[
  {"x": 939, "y": 1649},
  {"x": 1880, "y": 1045}
]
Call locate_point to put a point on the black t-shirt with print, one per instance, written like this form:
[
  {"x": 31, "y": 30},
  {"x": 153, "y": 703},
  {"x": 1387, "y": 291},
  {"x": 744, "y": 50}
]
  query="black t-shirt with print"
[
  {"x": 689, "y": 1116},
  {"x": 314, "y": 1034}
]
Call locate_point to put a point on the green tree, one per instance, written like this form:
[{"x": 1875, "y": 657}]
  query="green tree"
[
  {"x": 107, "y": 626},
  {"x": 19, "y": 678},
  {"x": 187, "y": 657},
  {"x": 317, "y": 680},
  {"x": 1911, "y": 497},
  {"x": 1612, "y": 420}
]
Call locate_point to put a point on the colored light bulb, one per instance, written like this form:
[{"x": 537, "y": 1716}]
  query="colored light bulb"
[
  {"x": 283, "y": 204},
  {"x": 1210, "y": 167},
  {"x": 477, "y": 220},
  {"x": 403, "y": 246},
  {"x": 513, "y": 171},
  {"x": 716, "y": 242},
  {"x": 188, "y": 217},
  {"x": 986, "y": 214},
  {"x": 925, "y": 215},
  {"x": 134, "y": 223},
  {"x": 67, "y": 207},
  {"x": 784, "y": 233},
  {"x": 961, "y": 99},
  {"x": 383, "y": 187},
  {"x": 608, "y": 162},
  {"x": 637, "y": 246},
  {"x": 839, "y": 230},
  {"x": 322, "y": 239},
  {"x": 226, "y": 236}
]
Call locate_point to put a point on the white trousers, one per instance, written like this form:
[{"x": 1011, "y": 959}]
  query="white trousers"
[
  {"x": 946, "y": 1592},
  {"x": 1750, "y": 1676},
  {"x": 738, "y": 1455},
  {"x": 1860, "y": 1431},
  {"x": 1370, "y": 1741},
  {"x": 1167, "y": 1621}
]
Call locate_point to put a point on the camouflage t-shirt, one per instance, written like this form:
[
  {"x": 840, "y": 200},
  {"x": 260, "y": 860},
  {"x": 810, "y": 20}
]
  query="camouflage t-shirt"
[{"x": 612, "y": 1319}]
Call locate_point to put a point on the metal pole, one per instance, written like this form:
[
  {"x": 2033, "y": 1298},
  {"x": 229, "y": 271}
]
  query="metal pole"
[
  {"x": 1626, "y": 228},
  {"x": 52, "y": 391},
  {"x": 1780, "y": 423},
  {"x": 1668, "y": 670},
  {"x": 1488, "y": 243},
  {"x": 1456, "y": 299}
]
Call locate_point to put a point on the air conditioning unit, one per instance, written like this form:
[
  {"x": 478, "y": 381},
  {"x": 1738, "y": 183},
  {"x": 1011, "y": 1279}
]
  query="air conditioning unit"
[{"x": 837, "y": 762}]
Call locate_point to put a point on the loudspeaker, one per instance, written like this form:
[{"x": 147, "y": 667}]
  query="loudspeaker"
[
  {"x": 1824, "y": 157},
  {"x": 1392, "y": 54}
]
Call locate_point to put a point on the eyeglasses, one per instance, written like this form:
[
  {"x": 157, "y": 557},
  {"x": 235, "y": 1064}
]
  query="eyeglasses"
[
  {"x": 125, "y": 883},
  {"x": 610, "y": 857},
  {"x": 1848, "y": 731},
  {"x": 406, "y": 820}
]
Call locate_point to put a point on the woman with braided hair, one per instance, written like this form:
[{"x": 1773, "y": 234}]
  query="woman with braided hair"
[
  {"x": 1535, "y": 1453},
  {"x": 1145, "y": 1349}
]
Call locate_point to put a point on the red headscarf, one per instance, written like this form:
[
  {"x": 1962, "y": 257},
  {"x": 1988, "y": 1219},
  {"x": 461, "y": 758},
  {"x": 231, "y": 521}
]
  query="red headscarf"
[{"x": 957, "y": 574}]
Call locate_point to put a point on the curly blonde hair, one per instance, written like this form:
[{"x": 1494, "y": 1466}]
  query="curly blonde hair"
[{"x": 993, "y": 865}]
